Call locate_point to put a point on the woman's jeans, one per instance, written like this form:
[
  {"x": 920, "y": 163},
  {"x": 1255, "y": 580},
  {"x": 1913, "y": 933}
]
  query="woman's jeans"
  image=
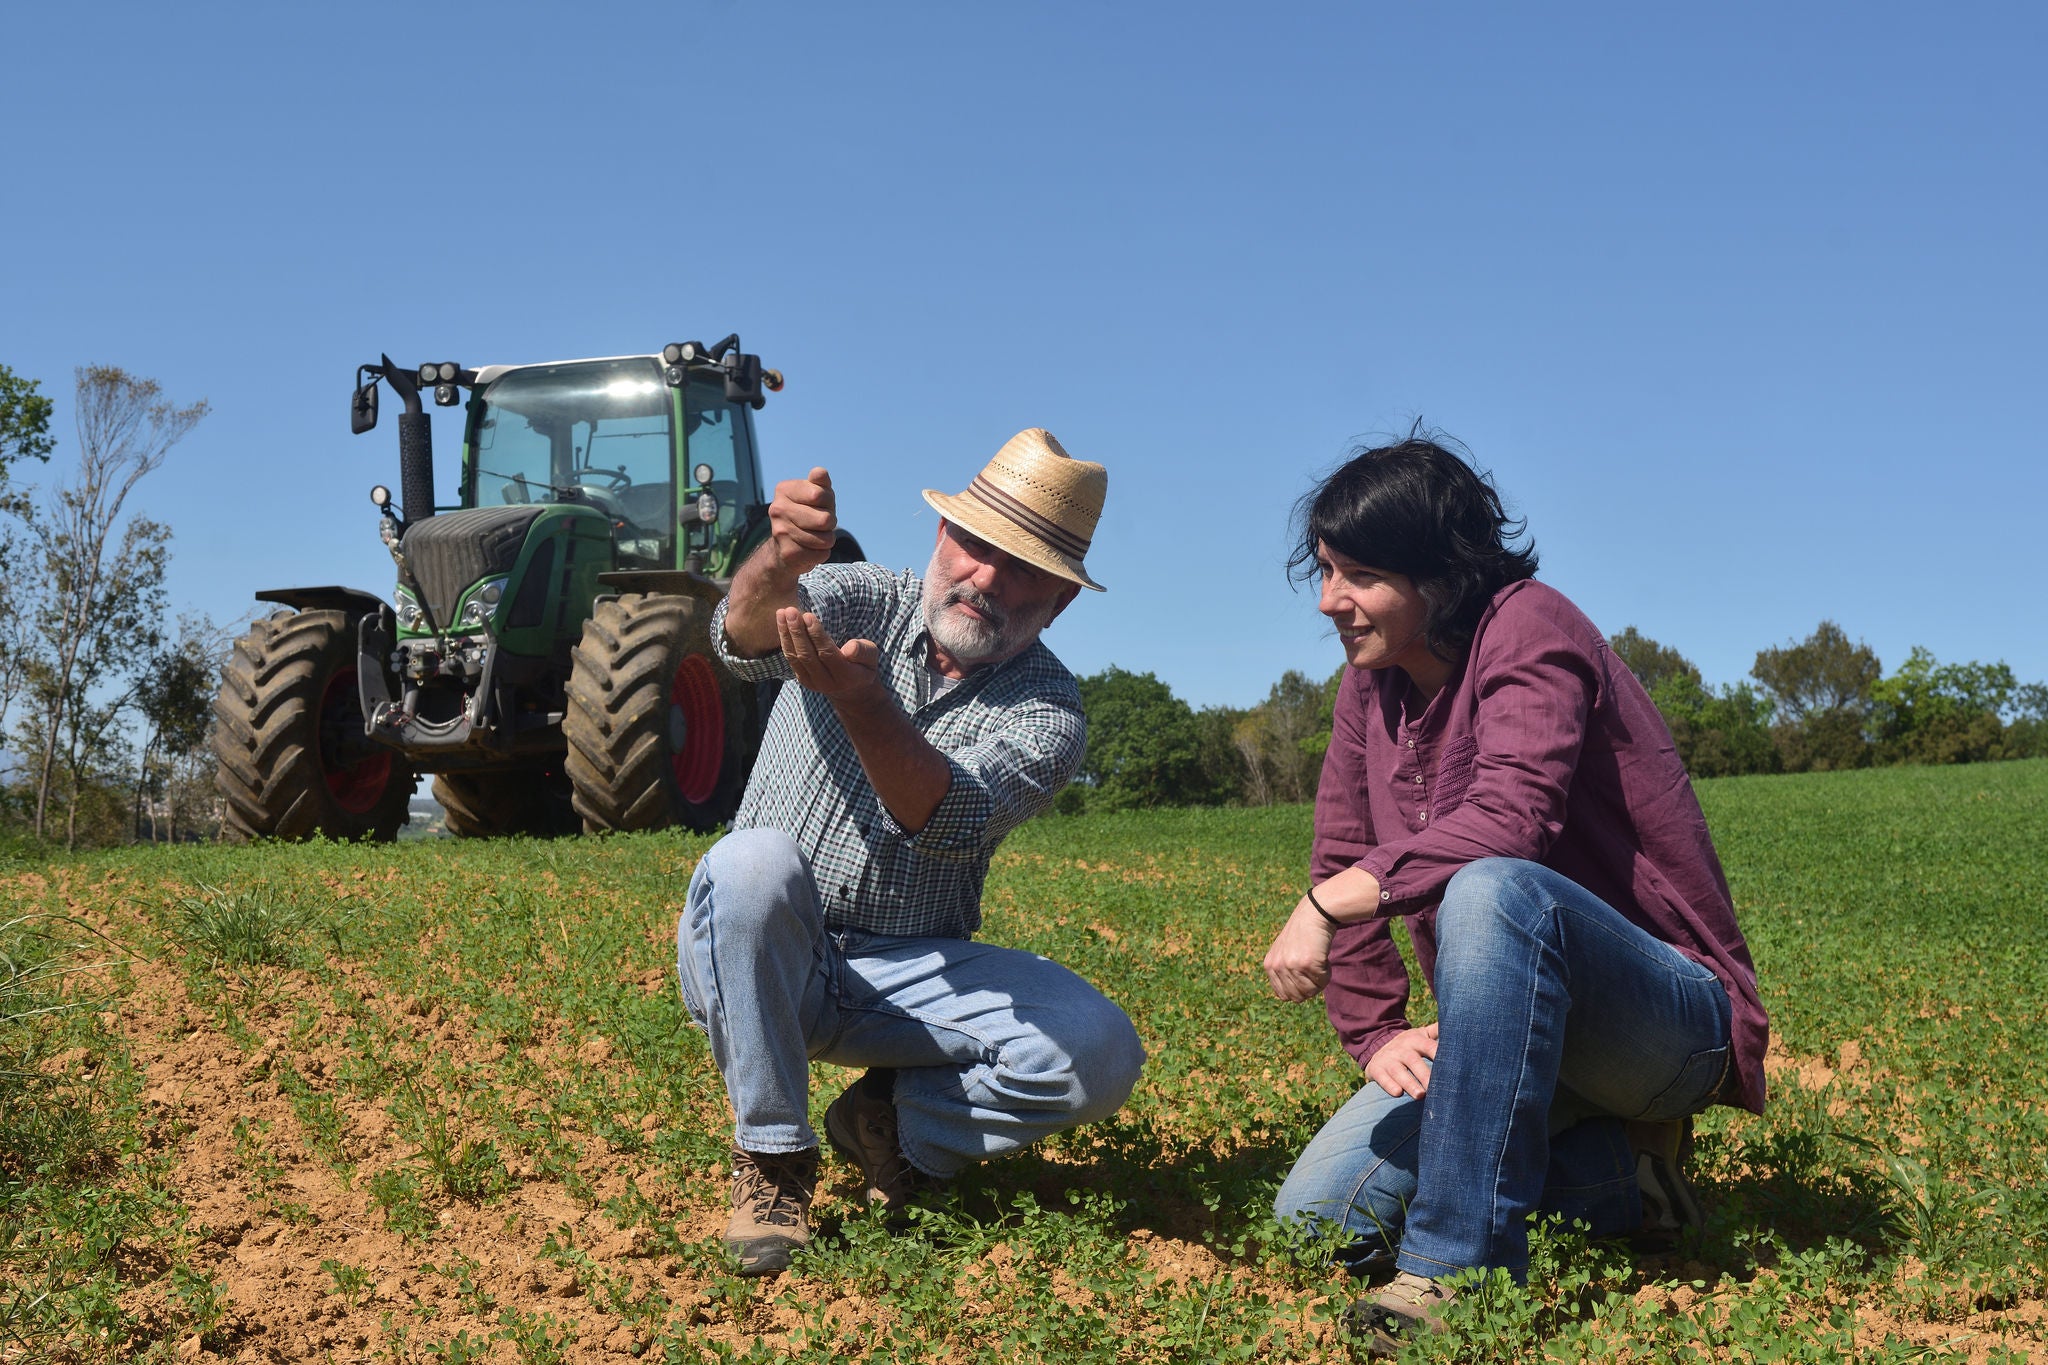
[
  {"x": 993, "y": 1048},
  {"x": 1557, "y": 1020}
]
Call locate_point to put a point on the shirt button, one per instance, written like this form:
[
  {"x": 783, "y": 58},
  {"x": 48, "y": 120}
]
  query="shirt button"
[
  {"x": 1386, "y": 895},
  {"x": 846, "y": 893},
  {"x": 1418, "y": 781},
  {"x": 1411, "y": 743}
]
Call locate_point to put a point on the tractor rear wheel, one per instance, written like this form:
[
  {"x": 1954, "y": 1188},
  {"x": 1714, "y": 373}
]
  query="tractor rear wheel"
[
  {"x": 659, "y": 733},
  {"x": 294, "y": 761},
  {"x": 489, "y": 805}
]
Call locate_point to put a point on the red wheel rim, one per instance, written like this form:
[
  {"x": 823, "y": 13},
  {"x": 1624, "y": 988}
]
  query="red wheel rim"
[
  {"x": 355, "y": 787},
  {"x": 696, "y": 729}
]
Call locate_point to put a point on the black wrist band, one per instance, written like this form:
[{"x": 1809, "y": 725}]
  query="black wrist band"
[{"x": 1331, "y": 919}]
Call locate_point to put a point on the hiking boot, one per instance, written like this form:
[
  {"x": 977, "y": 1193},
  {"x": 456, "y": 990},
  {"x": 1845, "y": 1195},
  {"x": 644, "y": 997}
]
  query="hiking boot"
[
  {"x": 1407, "y": 1308},
  {"x": 771, "y": 1208},
  {"x": 862, "y": 1127},
  {"x": 1670, "y": 1210}
]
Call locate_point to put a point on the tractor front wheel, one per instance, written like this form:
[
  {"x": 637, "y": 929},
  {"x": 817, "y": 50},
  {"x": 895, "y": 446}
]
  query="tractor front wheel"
[
  {"x": 294, "y": 761},
  {"x": 658, "y": 732}
]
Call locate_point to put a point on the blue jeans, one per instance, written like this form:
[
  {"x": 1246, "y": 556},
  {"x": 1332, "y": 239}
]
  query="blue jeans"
[
  {"x": 993, "y": 1048},
  {"x": 1557, "y": 1020}
]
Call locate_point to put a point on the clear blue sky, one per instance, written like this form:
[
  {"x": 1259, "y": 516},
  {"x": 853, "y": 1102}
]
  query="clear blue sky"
[{"x": 1743, "y": 304}]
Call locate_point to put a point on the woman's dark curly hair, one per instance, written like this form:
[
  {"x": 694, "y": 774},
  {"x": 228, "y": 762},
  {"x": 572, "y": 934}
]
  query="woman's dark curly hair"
[{"x": 1416, "y": 508}]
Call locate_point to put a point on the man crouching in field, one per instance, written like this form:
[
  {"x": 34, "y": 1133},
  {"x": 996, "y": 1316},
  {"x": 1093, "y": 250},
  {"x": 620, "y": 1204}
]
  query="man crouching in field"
[{"x": 835, "y": 921}]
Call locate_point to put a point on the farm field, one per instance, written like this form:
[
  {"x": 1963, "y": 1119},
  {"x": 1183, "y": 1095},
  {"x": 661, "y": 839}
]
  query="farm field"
[{"x": 438, "y": 1102}]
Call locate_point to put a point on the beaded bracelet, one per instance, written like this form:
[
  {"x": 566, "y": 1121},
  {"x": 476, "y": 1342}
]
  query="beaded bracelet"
[{"x": 1332, "y": 920}]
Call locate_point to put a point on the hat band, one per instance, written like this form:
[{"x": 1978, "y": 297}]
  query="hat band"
[{"x": 1028, "y": 518}]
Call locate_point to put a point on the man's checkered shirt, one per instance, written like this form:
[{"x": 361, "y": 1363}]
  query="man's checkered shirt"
[{"x": 1013, "y": 734}]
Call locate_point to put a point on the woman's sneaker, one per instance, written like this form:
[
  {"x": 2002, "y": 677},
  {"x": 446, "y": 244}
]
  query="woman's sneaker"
[
  {"x": 1409, "y": 1306},
  {"x": 1671, "y": 1211}
]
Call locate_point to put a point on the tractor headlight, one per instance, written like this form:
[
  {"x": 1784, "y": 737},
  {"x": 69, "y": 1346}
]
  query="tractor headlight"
[
  {"x": 482, "y": 603},
  {"x": 407, "y": 610}
]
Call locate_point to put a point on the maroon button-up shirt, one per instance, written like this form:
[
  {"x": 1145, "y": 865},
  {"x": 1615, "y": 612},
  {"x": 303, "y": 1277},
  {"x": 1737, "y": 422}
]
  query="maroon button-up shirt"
[{"x": 1543, "y": 746}]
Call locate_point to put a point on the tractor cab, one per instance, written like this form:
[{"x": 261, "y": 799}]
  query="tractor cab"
[{"x": 669, "y": 465}]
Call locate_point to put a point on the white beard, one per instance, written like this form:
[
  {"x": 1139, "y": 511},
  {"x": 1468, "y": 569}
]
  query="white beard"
[{"x": 996, "y": 637}]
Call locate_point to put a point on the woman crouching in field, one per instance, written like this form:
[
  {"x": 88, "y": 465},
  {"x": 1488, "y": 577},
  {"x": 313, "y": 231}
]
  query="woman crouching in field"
[{"x": 1501, "y": 780}]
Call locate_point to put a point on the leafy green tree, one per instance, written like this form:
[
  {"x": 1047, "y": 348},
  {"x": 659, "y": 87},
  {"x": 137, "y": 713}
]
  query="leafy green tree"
[
  {"x": 1282, "y": 740},
  {"x": 1144, "y": 745},
  {"x": 24, "y": 435},
  {"x": 1823, "y": 672},
  {"x": 2026, "y": 729},
  {"x": 1651, "y": 662},
  {"x": 1825, "y": 742},
  {"x": 1720, "y": 732},
  {"x": 24, "y": 431},
  {"x": 1222, "y": 764},
  {"x": 1931, "y": 712},
  {"x": 173, "y": 696},
  {"x": 1822, "y": 688}
]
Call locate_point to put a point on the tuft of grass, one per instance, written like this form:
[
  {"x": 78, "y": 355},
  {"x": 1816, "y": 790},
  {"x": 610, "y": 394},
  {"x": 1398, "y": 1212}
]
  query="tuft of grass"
[{"x": 231, "y": 929}]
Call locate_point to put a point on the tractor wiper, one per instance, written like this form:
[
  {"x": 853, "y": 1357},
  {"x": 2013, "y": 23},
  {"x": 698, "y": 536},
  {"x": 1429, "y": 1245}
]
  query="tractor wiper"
[{"x": 526, "y": 482}]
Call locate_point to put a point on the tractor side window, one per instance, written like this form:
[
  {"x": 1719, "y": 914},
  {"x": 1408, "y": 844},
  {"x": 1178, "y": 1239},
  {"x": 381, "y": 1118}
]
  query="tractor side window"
[{"x": 714, "y": 438}]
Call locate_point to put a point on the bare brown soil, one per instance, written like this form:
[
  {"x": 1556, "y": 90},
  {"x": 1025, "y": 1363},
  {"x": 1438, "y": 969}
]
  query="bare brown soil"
[{"x": 270, "y": 1237}]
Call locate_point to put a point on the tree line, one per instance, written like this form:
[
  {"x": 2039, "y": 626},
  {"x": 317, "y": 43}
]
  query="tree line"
[
  {"x": 1814, "y": 705},
  {"x": 104, "y": 699}
]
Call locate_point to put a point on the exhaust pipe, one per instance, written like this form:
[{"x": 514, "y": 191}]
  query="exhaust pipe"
[{"x": 415, "y": 447}]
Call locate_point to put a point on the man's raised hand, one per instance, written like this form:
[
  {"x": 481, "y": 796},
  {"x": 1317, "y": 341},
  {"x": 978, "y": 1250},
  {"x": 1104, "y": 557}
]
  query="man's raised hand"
[{"x": 802, "y": 521}]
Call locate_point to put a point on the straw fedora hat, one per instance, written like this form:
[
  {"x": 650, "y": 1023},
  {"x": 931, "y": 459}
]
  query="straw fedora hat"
[{"x": 1034, "y": 501}]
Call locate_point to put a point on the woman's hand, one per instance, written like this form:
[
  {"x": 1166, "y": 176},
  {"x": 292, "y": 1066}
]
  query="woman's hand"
[
  {"x": 1298, "y": 963},
  {"x": 1401, "y": 1066}
]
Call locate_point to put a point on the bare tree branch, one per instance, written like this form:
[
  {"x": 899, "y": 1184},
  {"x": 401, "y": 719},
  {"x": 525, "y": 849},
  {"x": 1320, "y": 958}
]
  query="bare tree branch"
[{"x": 100, "y": 614}]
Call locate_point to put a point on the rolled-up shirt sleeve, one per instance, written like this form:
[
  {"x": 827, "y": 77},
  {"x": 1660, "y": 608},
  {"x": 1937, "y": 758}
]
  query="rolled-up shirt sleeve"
[
  {"x": 768, "y": 668},
  {"x": 1507, "y": 798},
  {"x": 1001, "y": 781},
  {"x": 850, "y": 600}
]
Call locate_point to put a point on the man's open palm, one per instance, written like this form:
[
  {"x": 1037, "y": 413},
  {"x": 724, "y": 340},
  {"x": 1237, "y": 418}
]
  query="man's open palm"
[{"x": 820, "y": 663}]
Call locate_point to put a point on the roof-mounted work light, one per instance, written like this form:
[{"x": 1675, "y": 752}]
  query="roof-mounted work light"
[
  {"x": 442, "y": 375},
  {"x": 675, "y": 356}
]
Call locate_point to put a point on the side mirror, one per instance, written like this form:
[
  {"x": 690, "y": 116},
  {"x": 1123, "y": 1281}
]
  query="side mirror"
[
  {"x": 743, "y": 381},
  {"x": 362, "y": 408}
]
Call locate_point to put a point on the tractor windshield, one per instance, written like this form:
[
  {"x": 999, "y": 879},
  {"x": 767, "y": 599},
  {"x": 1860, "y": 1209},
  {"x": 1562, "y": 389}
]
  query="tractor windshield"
[{"x": 597, "y": 432}]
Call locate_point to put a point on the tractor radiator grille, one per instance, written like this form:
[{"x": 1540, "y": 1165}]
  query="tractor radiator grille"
[{"x": 451, "y": 551}]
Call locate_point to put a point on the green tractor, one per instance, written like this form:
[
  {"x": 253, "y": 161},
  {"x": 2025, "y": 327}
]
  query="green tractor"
[{"x": 547, "y": 652}]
